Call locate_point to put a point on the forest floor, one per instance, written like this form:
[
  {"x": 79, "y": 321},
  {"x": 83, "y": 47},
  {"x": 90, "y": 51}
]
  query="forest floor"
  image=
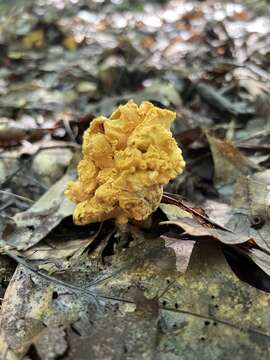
[{"x": 196, "y": 288}]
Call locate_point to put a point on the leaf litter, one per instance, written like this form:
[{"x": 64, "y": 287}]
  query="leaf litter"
[{"x": 167, "y": 292}]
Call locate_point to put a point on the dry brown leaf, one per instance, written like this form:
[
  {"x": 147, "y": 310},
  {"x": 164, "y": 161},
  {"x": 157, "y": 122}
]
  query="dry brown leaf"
[
  {"x": 194, "y": 226},
  {"x": 229, "y": 162}
]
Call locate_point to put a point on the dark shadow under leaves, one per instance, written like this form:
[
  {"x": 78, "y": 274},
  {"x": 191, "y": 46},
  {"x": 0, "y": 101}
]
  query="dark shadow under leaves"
[{"x": 245, "y": 268}]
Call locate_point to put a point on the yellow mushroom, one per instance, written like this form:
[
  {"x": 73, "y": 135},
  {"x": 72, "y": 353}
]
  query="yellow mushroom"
[{"x": 126, "y": 161}]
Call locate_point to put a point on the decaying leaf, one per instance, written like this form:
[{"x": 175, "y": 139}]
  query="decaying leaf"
[
  {"x": 34, "y": 224},
  {"x": 217, "y": 211},
  {"x": 220, "y": 102},
  {"x": 193, "y": 305},
  {"x": 237, "y": 238},
  {"x": 229, "y": 163},
  {"x": 125, "y": 50},
  {"x": 255, "y": 90},
  {"x": 195, "y": 226},
  {"x": 21, "y": 313},
  {"x": 51, "y": 343},
  {"x": 35, "y": 301},
  {"x": 210, "y": 287},
  {"x": 54, "y": 254},
  {"x": 251, "y": 211}
]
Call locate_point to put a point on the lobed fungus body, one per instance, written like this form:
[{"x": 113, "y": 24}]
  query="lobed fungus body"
[{"x": 126, "y": 160}]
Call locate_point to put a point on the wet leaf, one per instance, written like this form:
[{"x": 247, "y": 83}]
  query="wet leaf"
[{"x": 206, "y": 302}]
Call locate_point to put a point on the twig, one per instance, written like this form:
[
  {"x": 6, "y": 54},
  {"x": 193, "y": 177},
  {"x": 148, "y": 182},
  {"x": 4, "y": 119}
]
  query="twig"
[
  {"x": 12, "y": 175},
  {"x": 35, "y": 181},
  {"x": 252, "y": 136},
  {"x": 69, "y": 130},
  {"x": 220, "y": 321},
  {"x": 17, "y": 196},
  {"x": 6, "y": 205},
  {"x": 6, "y": 217}
]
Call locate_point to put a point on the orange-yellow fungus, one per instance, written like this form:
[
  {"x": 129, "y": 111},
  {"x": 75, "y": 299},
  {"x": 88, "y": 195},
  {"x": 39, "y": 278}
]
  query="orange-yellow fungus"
[{"x": 126, "y": 160}]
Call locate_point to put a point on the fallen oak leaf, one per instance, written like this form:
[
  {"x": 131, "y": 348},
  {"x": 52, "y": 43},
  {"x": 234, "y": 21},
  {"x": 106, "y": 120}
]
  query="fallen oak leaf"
[{"x": 170, "y": 303}]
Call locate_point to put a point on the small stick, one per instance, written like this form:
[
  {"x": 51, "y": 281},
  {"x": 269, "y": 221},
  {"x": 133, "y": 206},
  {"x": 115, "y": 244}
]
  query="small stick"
[{"x": 17, "y": 196}]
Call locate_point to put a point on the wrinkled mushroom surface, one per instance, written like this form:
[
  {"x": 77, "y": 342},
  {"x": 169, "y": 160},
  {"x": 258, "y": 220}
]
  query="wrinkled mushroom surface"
[{"x": 126, "y": 160}]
